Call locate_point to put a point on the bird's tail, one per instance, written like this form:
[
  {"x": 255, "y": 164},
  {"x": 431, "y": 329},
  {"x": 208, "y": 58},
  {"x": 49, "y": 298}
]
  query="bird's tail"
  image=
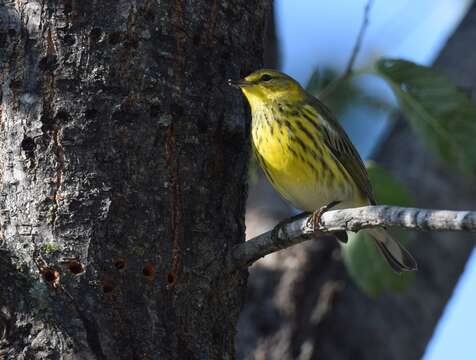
[{"x": 396, "y": 255}]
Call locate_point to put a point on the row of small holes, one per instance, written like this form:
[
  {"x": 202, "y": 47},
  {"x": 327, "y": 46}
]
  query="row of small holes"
[{"x": 148, "y": 271}]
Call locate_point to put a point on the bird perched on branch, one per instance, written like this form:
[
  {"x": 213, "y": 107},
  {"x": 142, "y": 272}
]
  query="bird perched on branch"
[{"x": 307, "y": 156}]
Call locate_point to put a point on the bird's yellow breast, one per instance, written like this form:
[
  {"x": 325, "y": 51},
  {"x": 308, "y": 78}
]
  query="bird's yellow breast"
[{"x": 299, "y": 168}]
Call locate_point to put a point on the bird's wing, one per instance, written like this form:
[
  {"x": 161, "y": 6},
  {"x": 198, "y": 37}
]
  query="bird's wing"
[{"x": 342, "y": 148}]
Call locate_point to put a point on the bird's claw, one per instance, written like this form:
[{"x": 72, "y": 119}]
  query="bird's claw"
[{"x": 313, "y": 222}]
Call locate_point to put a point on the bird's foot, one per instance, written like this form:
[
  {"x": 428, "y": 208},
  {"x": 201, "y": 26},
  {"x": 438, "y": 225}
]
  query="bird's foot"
[{"x": 314, "y": 220}]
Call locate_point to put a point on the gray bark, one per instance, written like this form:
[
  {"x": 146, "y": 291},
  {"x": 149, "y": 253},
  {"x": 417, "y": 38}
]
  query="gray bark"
[
  {"x": 310, "y": 309},
  {"x": 122, "y": 176}
]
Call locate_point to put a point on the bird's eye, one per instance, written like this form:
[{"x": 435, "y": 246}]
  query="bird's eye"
[{"x": 265, "y": 77}]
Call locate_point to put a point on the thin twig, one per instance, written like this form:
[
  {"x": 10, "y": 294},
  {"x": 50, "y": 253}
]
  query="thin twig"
[
  {"x": 360, "y": 38},
  {"x": 355, "y": 51},
  {"x": 295, "y": 230}
]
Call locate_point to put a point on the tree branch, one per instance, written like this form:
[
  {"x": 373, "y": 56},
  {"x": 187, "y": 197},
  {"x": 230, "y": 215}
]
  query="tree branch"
[
  {"x": 359, "y": 40},
  {"x": 295, "y": 230}
]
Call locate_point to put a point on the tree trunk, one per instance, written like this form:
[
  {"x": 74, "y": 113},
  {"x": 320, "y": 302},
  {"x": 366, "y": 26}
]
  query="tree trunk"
[
  {"x": 310, "y": 309},
  {"x": 122, "y": 176}
]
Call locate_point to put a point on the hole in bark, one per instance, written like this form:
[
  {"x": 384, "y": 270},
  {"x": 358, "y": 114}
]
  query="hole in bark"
[
  {"x": 12, "y": 32},
  {"x": 107, "y": 286},
  {"x": 90, "y": 114},
  {"x": 149, "y": 271},
  {"x": 95, "y": 34},
  {"x": 51, "y": 276},
  {"x": 115, "y": 38},
  {"x": 75, "y": 267},
  {"x": 28, "y": 145},
  {"x": 69, "y": 40},
  {"x": 171, "y": 277},
  {"x": 120, "y": 263},
  {"x": 154, "y": 110}
]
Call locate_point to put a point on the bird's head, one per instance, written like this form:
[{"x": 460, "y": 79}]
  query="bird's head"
[{"x": 266, "y": 85}]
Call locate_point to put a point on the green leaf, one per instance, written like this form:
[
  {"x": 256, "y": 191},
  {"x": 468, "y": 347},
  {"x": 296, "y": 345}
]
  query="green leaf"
[
  {"x": 440, "y": 113},
  {"x": 364, "y": 262}
]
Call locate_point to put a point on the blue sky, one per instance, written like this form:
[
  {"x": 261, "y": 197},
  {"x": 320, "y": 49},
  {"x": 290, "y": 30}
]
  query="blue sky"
[{"x": 322, "y": 33}]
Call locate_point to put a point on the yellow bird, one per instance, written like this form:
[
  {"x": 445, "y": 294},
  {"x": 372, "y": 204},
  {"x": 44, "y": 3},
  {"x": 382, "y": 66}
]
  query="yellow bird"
[{"x": 307, "y": 156}]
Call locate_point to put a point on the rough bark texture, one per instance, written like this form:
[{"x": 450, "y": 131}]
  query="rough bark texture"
[
  {"x": 122, "y": 149},
  {"x": 308, "y": 307}
]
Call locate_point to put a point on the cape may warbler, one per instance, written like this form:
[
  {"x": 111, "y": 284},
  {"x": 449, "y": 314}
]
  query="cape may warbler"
[{"x": 306, "y": 154}]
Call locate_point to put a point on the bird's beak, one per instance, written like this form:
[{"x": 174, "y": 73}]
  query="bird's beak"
[{"x": 239, "y": 83}]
